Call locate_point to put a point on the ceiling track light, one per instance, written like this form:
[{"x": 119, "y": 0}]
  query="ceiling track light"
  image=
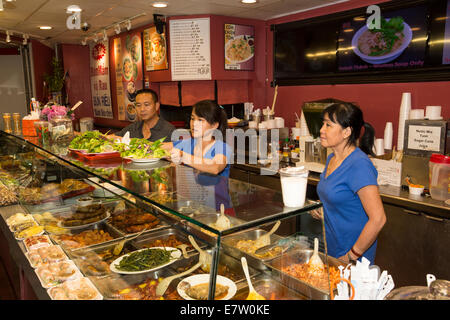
[
  {"x": 25, "y": 39},
  {"x": 8, "y": 36},
  {"x": 95, "y": 38},
  {"x": 105, "y": 36},
  {"x": 117, "y": 28},
  {"x": 128, "y": 25}
]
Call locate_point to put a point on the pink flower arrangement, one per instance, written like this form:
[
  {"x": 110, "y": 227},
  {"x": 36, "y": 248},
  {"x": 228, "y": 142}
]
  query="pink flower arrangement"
[{"x": 49, "y": 112}]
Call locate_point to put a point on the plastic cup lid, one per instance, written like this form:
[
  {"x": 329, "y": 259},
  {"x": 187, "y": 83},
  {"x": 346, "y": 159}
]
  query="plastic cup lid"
[{"x": 294, "y": 171}]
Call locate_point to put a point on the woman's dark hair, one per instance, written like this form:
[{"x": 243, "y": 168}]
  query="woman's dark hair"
[
  {"x": 350, "y": 116},
  {"x": 212, "y": 113}
]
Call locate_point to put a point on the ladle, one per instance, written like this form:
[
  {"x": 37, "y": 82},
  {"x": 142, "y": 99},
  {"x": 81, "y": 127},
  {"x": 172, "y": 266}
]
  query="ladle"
[
  {"x": 223, "y": 222},
  {"x": 164, "y": 284},
  {"x": 315, "y": 258},
  {"x": 205, "y": 258},
  {"x": 264, "y": 240},
  {"x": 252, "y": 294}
]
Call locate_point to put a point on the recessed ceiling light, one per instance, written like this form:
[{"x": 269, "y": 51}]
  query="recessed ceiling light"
[
  {"x": 160, "y": 4},
  {"x": 73, "y": 8},
  {"x": 45, "y": 27},
  {"x": 248, "y": 1}
]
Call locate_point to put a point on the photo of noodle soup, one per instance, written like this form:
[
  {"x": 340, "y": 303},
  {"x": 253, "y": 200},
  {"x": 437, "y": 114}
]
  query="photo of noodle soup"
[
  {"x": 127, "y": 68},
  {"x": 157, "y": 48},
  {"x": 239, "y": 49},
  {"x": 382, "y": 45}
]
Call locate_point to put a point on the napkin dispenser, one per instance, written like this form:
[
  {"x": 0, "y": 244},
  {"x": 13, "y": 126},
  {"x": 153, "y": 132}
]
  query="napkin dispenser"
[{"x": 421, "y": 139}]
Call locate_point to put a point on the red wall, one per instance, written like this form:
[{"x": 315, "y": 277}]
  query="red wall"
[
  {"x": 78, "y": 82},
  {"x": 42, "y": 57},
  {"x": 379, "y": 102}
]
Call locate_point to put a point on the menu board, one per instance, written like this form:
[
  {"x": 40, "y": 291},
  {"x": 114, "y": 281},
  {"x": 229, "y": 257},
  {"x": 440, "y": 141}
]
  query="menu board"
[
  {"x": 239, "y": 47},
  {"x": 190, "y": 49},
  {"x": 155, "y": 50},
  {"x": 99, "y": 73},
  {"x": 399, "y": 43},
  {"x": 129, "y": 73},
  {"x": 446, "y": 53}
]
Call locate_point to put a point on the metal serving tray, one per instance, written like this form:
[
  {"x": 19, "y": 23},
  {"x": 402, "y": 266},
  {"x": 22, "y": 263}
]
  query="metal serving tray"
[
  {"x": 110, "y": 286},
  {"x": 228, "y": 267},
  {"x": 300, "y": 256},
  {"x": 229, "y": 246},
  {"x": 100, "y": 226},
  {"x": 92, "y": 262},
  {"x": 270, "y": 289},
  {"x": 152, "y": 235}
]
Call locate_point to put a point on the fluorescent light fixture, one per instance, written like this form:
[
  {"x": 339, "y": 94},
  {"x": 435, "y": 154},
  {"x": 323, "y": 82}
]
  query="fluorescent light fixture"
[
  {"x": 248, "y": 1},
  {"x": 73, "y": 8},
  {"x": 160, "y": 4},
  {"x": 45, "y": 27}
]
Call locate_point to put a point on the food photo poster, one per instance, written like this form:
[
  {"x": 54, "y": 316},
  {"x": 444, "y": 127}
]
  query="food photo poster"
[
  {"x": 239, "y": 47},
  {"x": 399, "y": 43},
  {"x": 129, "y": 73},
  {"x": 155, "y": 50}
]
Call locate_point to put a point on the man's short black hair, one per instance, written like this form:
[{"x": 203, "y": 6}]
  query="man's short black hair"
[{"x": 149, "y": 91}]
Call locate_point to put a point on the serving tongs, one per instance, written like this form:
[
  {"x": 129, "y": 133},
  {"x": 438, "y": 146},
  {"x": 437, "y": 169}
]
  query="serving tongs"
[
  {"x": 164, "y": 284},
  {"x": 119, "y": 246},
  {"x": 204, "y": 257}
]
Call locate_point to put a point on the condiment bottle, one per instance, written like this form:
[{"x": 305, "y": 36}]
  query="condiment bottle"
[
  {"x": 7, "y": 122},
  {"x": 17, "y": 127}
]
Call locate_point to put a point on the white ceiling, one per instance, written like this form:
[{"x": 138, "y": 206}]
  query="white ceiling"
[{"x": 25, "y": 16}]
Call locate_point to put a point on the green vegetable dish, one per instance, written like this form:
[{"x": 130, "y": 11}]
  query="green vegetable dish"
[
  {"x": 144, "y": 149},
  {"x": 145, "y": 260},
  {"x": 93, "y": 142}
]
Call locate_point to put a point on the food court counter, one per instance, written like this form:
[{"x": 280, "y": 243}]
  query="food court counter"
[{"x": 417, "y": 231}]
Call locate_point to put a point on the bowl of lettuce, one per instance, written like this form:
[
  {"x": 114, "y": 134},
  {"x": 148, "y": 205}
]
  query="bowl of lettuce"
[
  {"x": 93, "y": 142},
  {"x": 142, "y": 150}
]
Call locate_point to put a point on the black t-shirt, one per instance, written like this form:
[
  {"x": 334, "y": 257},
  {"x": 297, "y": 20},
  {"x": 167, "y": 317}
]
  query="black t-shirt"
[{"x": 162, "y": 129}]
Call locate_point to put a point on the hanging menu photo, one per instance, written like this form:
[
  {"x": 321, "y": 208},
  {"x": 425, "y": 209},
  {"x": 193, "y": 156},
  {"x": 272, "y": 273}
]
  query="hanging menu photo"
[{"x": 190, "y": 50}]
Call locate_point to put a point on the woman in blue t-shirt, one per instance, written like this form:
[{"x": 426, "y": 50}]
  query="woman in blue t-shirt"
[
  {"x": 348, "y": 189},
  {"x": 206, "y": 149}
]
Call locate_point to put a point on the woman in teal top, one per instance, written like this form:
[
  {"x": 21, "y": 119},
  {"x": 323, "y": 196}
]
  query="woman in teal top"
[
  {"x": 352, "y": 207},
  {"x": 206, "y": 149}
]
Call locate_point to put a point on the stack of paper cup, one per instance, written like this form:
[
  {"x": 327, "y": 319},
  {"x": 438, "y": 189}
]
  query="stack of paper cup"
[
  {"x": 271, "y": 124},
  {"x": 388, "y": 135},
  {"x": 252, "y": 124},
  {"x": 379, "y": 147},
  {"x": 279, "y": 122},
  {"x": 405, "y": 108},
  {"x": 416, "y": 114},
  {"x": 433, "y": 113},
  {"x": 296, "y": 132},
  {"x": 303, "y": 126},
  {"x": 262, "y": 125}
]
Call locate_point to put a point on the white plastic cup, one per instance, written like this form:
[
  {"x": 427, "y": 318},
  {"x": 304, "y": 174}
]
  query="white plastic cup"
[
  {"x": 388, "y": 136},
  {"x": 252, "y": 124},
  {"x": 271, "y": 124},
  {"x": 294, "y": 181},
  {"x": 279, "y": 122},
  {"x": 433, "y": 112},
  {"x": 417, "y": 114},
  {"x": 379, "y": 147}
]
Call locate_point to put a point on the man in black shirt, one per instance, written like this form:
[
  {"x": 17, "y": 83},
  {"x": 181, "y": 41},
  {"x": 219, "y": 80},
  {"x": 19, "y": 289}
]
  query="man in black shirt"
[{"x": 149, "y": 126}]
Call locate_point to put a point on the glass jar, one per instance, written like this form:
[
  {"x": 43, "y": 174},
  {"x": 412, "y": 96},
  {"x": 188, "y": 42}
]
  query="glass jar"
[
  {"x": 43, "y": 133},
  {"x": 17, "y": 119},
  {"x": 439, "y": 172},
  {"x": 7, "y": 123},
  {"x": 61, "y": 129}
]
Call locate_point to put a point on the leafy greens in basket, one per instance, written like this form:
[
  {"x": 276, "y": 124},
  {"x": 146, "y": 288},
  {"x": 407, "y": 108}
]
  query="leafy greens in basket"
[{"x": 144, "y": 149}]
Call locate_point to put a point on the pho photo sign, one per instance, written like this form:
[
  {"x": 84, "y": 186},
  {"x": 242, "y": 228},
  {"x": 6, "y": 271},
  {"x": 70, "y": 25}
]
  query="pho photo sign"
[{"x": 239, "y": 47}]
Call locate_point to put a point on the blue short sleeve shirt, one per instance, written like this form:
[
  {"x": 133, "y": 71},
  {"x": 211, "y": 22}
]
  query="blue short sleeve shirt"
[
  {"x": 219, "y": 147},
  {"x": 344, "y": 214}
]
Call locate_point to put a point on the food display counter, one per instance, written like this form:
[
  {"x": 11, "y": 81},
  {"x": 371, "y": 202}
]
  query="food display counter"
[{"x": 117, "y": 230}]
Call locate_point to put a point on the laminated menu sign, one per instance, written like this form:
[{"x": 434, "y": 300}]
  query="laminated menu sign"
[
  {"x": 425, "y": 138},
  {"x": 155, "y": 50},
  {"x": 239, "y": 47},
  {"x": 190, "y": 49},
  {"x": 99, "y": 73},
  {"x": 129, "y": 73}
]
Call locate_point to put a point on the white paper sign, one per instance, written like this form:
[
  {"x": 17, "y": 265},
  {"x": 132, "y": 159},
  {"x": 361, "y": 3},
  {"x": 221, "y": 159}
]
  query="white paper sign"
[
  {"x": 101, "y": 89},
  {"x": 389, "y": 172},
  {"x": 190, "y": 49},
  {"x": 424, "y": 138}
]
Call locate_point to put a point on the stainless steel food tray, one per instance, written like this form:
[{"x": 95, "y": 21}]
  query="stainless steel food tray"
[
  {"x": 229, "y": 246},
  {"x": 300, "y": 256},
  {"x": 228, "y": 267},
  {"x": 100, "y": 226},
  {"x": 267, "y": 286}
]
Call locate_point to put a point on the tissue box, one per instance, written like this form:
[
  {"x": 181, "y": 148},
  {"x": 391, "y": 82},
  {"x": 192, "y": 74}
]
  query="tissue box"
[{"x": 28, "y": 128}]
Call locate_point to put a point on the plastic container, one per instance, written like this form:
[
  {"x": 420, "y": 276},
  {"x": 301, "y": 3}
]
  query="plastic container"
[
  {"x": 7, "y": 127},
  {"x": 439, "y": 173},
  {"x": 294, "y": 181},
  {"x": 86, "y": 124},
  {"x": 417, "y": 191}
]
